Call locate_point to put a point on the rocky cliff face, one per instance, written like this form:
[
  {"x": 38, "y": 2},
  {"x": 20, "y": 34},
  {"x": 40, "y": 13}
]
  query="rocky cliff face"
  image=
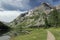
[
  {"x": 33, "y": 17},
  {"x": 58, "y": 7}
]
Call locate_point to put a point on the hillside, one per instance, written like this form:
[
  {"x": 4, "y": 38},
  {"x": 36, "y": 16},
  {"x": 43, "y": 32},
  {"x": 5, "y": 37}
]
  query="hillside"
[
  {"x": 33, "y": 17},
  {"x": 3, "y": 28}
]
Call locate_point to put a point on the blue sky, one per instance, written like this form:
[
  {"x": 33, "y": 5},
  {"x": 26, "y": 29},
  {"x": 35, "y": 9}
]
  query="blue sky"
[
  {"x": 23, "y": 5},
  {"x": 20, "y": 5}
]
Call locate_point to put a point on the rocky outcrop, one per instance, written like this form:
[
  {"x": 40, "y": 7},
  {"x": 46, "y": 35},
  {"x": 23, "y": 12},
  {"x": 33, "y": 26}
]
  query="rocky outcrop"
[{"x": 33, "y": 17}]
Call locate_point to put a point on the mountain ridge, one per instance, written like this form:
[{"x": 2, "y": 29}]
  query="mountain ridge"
[{"x": 33, "y": 17}]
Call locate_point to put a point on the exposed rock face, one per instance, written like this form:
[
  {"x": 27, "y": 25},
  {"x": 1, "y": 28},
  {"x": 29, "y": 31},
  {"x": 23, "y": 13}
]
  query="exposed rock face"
[
  {"x": 33, "y": 17},
  {"x": 58, "y": 7}
]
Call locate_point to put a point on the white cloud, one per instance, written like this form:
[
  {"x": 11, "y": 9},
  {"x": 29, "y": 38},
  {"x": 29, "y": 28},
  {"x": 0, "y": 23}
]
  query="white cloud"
[
  {"x": 8, "y": 16},
  {"x": 22, "y": 4}
]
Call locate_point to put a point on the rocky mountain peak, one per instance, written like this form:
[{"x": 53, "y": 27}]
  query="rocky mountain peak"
[{"x": 33, "y": 16}]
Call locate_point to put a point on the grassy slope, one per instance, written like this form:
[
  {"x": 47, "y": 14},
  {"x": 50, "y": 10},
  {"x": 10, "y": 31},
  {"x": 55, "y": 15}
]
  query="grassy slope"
[
  {"x": 39, "y": 34},
  {"x": 55, "y": 32}
]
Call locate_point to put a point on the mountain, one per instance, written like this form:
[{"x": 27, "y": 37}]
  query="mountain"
[
  {"x": 32, "y": 17},
  {"x": 3, "y": 28}
]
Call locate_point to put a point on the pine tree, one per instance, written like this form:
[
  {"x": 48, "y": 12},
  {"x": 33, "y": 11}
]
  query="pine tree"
[{"x": 54, "y": 17}]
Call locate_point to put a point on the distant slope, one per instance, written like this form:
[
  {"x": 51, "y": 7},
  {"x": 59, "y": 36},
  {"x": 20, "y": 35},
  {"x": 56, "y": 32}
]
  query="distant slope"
[{"x": 3, "y": 28}]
